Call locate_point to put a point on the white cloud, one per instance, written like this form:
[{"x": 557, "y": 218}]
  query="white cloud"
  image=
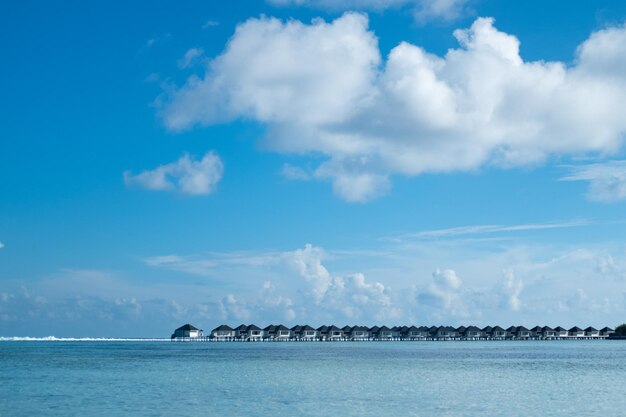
[
  {"x": 1, "y": 245},
  {"x": 422, "y": 9},
  {"x": 187, "y": 175},
  {"x": 232, "y": 308},
  {"x": 100, "y": 303},
  {"x": 502, "y": 283},
  {"x": 607, "y": 180},
  {"x": 191, "y": 57},
  {"x": 440, "y": 9},
  {"x": 295, "y": 173},
  {"x": 307, "y": 263},
  {"x": 513, "y": 287},
  {"x": 486, "y": 229},
  {"x": 549, "y": 286},
  {"x": 444, "y": 296},
  {"x": 295, "y": 284},
  {"x": 320, "y": 88},
  {"x": 210, "y": 23}
]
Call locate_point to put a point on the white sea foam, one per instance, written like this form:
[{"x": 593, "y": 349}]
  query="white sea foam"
[{"x": 75, "y": 339}]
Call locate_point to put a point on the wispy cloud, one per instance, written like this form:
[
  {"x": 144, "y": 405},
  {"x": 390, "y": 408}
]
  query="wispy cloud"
[
  {"x": 190, "y": 57},
  {"x": 423, "y": 10},
  {"x": 1, "y": 245},
  {"x": 487, "y": 229},
  {"x": 210, "y": 23},
  {"x": 295, "y": 173},
  {"x": 607, "y": 180},
  {"x": 210, "y": 263},
  {"x": 187, "y": 175}
]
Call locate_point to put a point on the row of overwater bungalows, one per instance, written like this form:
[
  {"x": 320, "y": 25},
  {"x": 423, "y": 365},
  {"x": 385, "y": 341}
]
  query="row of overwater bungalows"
[{"x": 330, "y": 333}]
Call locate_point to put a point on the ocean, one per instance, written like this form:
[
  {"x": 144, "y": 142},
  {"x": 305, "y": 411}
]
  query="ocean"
[{"x": 430, "y": 379}]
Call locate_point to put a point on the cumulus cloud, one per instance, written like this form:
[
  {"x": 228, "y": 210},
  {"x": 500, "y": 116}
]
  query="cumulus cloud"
[
  {"x": 322, "y": 88},
  {"x": 266, "y": 304},
  {"x": 422, "y": 9},
  {"x": 444, "y": 295},
  {"x": 191, "y": 57},
  {"x": 231, "y": 308},
  {"x": 607, "y": 180},
  {"x": 503, "y": 283},
  {"x": 518, "y": 285},
  {"x": 307, "y": 262},
  {"x": 350, "y": 296},
  {"x": 296, "y": 284},
  {"x": 513, "y": 287},
  {"x": 186, "y": 176}
]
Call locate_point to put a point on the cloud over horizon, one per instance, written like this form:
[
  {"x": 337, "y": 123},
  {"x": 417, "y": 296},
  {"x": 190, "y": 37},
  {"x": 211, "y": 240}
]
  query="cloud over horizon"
[
  {"x": 518, "y": 285},
  {"x": 323, "y": 88}
]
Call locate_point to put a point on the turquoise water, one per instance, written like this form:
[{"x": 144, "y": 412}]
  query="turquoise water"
[{"x": 525, "y": 378}]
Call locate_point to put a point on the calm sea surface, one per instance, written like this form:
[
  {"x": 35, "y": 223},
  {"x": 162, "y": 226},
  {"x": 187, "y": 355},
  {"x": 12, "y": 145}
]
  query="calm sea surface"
[{"x": 543, "y": 378}]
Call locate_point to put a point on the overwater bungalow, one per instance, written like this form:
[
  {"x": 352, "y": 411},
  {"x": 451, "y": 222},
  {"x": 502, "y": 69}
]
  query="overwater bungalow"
[
  {"x": 472, "y": 332},
  {"x": 522, "y": 332},
  {"x": 498, "y": 333},
  {"x": 510, "y": 332},
  {"x": 283, "y": 332},
  {"x": 591, "y": 332},
  {"x": 548, "y": 332},
  {"x": 432, "y": 331},
  {"x": 322, "y": 332},
  {"x": 296, "y": 332},
  {"x": 487, "y": 332},
  {"x": 606, "y": 332},
  {"x": 576, "y": 332},
  {"x": 396, "y": 332},
  {"x": 561, "y": 332},
  {"x": 385, "y": 333},
  {"x": 446, "y": 332},
  {"x": 375, "y": 332},
  {"x": 416, "y": 333},
  {"x": 223, "y": 332},
  {"x": 241, "y": 332},
  {"x": 309, "y": 333},
  {"x": 305, "y": 332},
  {"x": 424, "y": 332},
  {"x": 269, "y": 332},
  {"x": 187, "y": 331},
  {"x": 536, "y": 332},
  {"x": 254, "y": 332},
  {"x": 335, "y": 333},
  {"x": 359, "y": 333},
  {"x": 404, "y": 332}
]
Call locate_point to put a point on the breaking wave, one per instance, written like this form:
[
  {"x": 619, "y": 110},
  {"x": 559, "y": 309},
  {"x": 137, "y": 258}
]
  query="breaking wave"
[{"x": 77, "y": 339}]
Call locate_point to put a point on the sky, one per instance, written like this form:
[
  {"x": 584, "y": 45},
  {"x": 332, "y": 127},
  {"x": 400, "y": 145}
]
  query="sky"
[{"x": 427, "y": 162}]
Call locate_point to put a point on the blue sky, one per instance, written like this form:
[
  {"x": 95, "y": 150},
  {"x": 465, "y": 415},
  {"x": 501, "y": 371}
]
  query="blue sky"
[{"x": 357, "y": 161}]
